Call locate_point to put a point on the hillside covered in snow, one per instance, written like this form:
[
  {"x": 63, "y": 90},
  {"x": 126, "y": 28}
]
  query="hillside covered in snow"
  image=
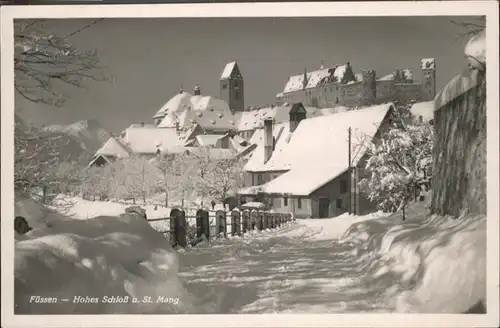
[{"x": 88, "y": 133}]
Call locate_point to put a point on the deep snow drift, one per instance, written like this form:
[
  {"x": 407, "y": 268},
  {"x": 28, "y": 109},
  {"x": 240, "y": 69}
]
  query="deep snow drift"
[
  {"x": 378, "y": 264},
  {"x": 373, "y": 263},
  {"x": 104, "y": 256}
]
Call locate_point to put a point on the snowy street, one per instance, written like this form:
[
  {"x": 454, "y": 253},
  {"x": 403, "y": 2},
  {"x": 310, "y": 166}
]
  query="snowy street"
[{"x": 288, "y": 270}]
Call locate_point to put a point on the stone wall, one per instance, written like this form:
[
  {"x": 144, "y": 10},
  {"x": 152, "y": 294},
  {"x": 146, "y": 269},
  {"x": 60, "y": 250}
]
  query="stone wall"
[{"x": 459, "y": 169}]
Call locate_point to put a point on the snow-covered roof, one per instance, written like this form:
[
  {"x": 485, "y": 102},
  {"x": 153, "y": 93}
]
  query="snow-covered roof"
[
  {"x": 208, "y": 119},
  {"x": 314, "y": 78},
  {"x": 424, "y": 109},
  {"x": 114, "y": 148},
  {"x": 254, "y": 119},
  {"x": 177, "y": 103},
  {"x": 297, "y": 182},
  {"x": 317, "y": 151},
  {"x": 185, "y": 101},
  {"x": 428, "y": 63},
  {"x": 147, "y": 140},
  {"x": 388, "y": 77},
  {"x": 321, "y": 141},
  {"x": 228, "y": 69},
  {"x": 209, "y": 103},
  {"x": 281, "y": 133}
]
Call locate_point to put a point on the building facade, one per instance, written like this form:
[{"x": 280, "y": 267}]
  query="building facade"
[{"x": 339, "y": 86}]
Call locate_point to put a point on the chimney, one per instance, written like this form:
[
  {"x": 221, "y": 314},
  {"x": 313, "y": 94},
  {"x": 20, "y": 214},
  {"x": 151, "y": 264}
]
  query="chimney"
[{"x": 268, "y": 139}]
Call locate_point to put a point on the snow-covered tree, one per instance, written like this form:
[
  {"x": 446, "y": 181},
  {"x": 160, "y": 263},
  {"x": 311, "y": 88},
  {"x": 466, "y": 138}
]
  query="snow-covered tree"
[
  {"x": 46, "y": 63},
  {"x": 134, "y": 177},
  {"x": 219, "y": 178},
  {"x": 96, "y": 183},
  {"x": 400, "y": 165}
]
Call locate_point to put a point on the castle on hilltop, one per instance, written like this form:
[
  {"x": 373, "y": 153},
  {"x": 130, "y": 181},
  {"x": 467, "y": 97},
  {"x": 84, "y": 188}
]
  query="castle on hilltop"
[{"x": 340, "y": 86}]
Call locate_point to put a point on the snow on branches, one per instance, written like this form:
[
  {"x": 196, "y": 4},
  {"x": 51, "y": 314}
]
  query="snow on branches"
[
  {"x": 400, "y": 165},
  {"x": 45, "y": 63}
]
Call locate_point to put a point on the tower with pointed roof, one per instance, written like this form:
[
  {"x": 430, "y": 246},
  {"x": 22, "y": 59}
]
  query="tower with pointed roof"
[{"x": 232, "y": 88}]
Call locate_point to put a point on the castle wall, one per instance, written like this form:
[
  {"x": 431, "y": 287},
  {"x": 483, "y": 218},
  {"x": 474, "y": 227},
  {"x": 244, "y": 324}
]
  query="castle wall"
[
  {"x": 405, "y": 92},
  {"x": 385, "y": 91}
]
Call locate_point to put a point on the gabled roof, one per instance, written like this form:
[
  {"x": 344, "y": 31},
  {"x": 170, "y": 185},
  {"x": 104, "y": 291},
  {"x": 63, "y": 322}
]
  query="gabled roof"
[
  {"x": 322, "y": 141},
  {"x": 113, "y": 148},
  {"x": 147, "y": 140},
  {"x": 207, "y": 119},
  {"x": 183, "y": 102},
  {"x": 231, "y": 70},
  {"x": 254, "y": 119},
  {"x": 297, "y": 108},
  {"x": 317, "y": 152}
]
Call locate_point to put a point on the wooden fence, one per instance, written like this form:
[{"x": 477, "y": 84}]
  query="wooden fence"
[{"x": 209, "y": 224}]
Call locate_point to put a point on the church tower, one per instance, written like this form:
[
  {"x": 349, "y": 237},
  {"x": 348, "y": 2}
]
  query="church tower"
[
  {"x": 429, "y": 80},
  {"x": 231, "y": 87}
]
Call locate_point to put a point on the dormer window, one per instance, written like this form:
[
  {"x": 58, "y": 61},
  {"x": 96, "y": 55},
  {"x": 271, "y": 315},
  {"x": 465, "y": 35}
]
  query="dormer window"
[
  {"x": 220, "y": 115},
  {"x": 200, "y": 114}
]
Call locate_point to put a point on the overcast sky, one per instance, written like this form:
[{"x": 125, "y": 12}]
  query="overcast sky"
[{"x": 151, "y": 58}]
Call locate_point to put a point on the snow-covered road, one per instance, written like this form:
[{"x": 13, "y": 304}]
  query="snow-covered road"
[{"x": 297, "y": 268}]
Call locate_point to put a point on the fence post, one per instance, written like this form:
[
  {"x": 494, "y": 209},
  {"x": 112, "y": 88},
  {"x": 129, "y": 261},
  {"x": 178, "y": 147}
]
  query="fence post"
[
  {"x": 202, "y": 224},
  {"x": 178, "y": 228},
  {"x": 235, "y": 223},
  {"x": 181, "y": 228},
  {"x": 260, "y": 224},
  {"x": 253, "y": 222},
  {"x": 279, "y": 219},
  {"x": 265, "y": 221},
  {"x": 173, "y": 228},
  {"x": 220, "y": 222},
  {"x": 246, "y": 221}
]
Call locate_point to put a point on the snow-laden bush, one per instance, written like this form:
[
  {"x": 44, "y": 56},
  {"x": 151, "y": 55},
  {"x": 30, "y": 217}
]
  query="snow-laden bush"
[{"x": 400, "y": 165}]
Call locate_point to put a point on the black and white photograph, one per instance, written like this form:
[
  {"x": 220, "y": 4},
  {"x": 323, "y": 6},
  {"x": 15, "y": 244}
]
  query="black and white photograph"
[{"x": 200, "y": 159}]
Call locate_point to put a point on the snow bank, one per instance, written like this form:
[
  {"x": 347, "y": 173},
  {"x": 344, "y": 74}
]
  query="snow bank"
[
  {"x": 83, "y": 263},
  {"x": 436, "y": 264},
  {"x": 329, "y": 229},
  {"x": 426, "y": 264}
]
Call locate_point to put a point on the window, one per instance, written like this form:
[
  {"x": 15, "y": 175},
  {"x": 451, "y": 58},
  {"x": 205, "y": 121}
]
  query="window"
[
  {"x": 224, "y": 86},
  {"x": 339, "y": 202},
  {"x": 285, "y": 201},
  {"x": 343, "y": 186},
  {"x": 236, "y": 95},
  {"x": 299, "y": 203},
  {"x": 336, "y": 100},
  {"x": 259, "y": 179},
  {"x": 331, "y": 89}
]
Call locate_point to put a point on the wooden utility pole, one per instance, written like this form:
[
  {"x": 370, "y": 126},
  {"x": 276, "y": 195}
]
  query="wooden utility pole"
[{"x": 349, "y": 171}]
